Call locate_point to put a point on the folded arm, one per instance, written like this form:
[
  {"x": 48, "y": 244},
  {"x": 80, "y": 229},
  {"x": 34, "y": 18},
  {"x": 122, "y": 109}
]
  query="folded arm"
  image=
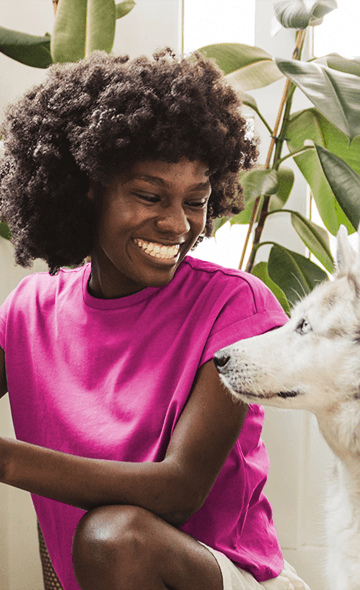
[
  {"x": 173, "y": 489},
  {"x": 3, "y": 383}
]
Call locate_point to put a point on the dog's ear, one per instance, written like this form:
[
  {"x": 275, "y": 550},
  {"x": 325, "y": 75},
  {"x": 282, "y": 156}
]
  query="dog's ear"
[{"x": 347, "y": 261}]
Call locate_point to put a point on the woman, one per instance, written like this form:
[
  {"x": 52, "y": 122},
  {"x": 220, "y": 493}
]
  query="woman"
[{"x": 116, "y": 403}]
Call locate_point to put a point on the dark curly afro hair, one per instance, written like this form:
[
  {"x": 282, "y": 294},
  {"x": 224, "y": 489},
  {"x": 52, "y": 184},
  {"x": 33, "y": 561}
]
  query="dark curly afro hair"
[{"x": 93, "y": 119}]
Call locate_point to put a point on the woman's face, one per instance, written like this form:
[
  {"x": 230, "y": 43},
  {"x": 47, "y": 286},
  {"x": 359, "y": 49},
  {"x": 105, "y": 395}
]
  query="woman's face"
[{"x": 149, "y": 218}]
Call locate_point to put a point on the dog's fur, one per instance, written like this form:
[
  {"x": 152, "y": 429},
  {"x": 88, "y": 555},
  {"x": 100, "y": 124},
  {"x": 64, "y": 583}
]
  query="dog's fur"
[{"x": 313, "y": 363}]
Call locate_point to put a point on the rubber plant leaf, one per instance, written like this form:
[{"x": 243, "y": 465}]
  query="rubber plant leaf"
[
  {"x": 342, "y": 64},
  {"x": 335, "y": 94},
  {"x": 344, "y": 183},
  {"x": 260, "y": 270},
  {"x": 30, "y": 50},
  {"x": 315, "y": 238},
  {"x": 293, "y": 273},
  {"x": 80, "y": 27},
  {"x": 245, "y": 215},
  {"x": 258, "y": 183},
  {"x": 244, "y": 65},
  {"x": 4, "y": 230},
  {"x": 310, "y": 124},
  {"x": 286, "y": 179},
  {"x": 124, "y": 8},
  {"x": 299, "y": 14}
]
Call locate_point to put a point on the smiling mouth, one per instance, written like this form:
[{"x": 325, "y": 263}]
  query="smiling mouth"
[{"x": 158, "y": 251}]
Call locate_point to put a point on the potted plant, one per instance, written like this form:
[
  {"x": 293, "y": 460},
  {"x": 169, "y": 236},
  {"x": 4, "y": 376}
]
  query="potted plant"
[{"x": 323, "y": 141}]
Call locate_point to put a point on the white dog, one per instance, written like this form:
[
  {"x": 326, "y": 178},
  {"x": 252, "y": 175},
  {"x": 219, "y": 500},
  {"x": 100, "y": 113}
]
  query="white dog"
[{"x": 313, "y": 363}]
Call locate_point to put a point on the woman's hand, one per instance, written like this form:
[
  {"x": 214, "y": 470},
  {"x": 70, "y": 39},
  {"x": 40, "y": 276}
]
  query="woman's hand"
[{"x": 173, "y": 489}]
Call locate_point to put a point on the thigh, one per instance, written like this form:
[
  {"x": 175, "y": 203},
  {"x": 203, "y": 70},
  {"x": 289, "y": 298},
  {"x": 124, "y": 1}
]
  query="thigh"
[
  {"x": 235, "y": 578},
  {"x": 127, "y": 547}
]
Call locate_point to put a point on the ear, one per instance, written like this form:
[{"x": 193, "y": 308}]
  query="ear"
[{"x": 346, "y": 259}]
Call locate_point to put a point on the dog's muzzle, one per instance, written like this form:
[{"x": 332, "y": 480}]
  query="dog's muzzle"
[{"x": 221, "y": 361}]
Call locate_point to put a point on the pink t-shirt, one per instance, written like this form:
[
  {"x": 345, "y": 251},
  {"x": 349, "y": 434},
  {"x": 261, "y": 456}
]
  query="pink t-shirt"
[{"x": 109, "y": 379}]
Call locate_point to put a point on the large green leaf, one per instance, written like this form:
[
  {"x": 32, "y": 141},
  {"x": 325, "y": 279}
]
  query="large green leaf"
[
  {"x": 124, "y": 8},
  {"x": 299, "y": 14},
  {"x": 274, "y": 183},
  {"x": 4, "y": 230},
  {"x": 293, "y": 273},
  {"x": 257, "y": 183},
  {"x": 260, "y": 270},
  {"x": 310, "y": 124},
  {"x": 344, "y": 182},
  {"x": 315, "y": 238},
  {"x": 245, "y": 216},
  {"x": 250, "y": 101},
  {"x": 82, "y": 26},
  {"x": 342, "y": 64},
  {"x": 247, "y": 66},
  {"x": 286, "y": 179},
  {"x": 28, "y": 49},
  {"x": 334, "y": 93}
]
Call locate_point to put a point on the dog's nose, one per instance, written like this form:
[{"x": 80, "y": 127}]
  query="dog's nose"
[{"x": 221, "y": 359}]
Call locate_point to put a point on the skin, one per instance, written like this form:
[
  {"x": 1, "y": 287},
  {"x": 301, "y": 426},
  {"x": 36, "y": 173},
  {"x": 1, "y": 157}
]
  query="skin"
[{"x": 129, "y": 538}]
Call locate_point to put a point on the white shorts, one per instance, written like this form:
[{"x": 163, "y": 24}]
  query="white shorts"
[{"x": 235, "y": 578}]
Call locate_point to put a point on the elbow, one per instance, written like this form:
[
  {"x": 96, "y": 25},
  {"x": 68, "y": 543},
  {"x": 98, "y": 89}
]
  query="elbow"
[{"x": 188, "y": 501}]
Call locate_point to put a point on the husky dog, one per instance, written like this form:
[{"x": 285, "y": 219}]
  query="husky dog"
[{"x": 313, "y": 363}]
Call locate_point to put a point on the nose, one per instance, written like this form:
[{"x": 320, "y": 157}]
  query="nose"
[
  {"x": 174, "y": 221},
  {"x": 221, "y": 360}
]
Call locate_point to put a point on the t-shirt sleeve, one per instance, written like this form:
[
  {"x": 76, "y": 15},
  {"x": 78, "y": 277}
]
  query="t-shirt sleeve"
[
  {"x": 4, "y": 310},
  {"x": 251, "y": 309}
]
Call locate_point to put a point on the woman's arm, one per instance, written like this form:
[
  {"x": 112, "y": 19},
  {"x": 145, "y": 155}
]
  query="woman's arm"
[
  {"x": 3, "y": 383},
  {"x": 174, "y": 488}
]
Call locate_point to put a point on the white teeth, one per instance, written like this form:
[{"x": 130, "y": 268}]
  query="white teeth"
[{"x": 158, "y": 250}]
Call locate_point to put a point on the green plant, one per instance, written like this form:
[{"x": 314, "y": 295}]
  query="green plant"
[
  {"x": 80, "y": 27},
  {"x": 323, "y": 140}
]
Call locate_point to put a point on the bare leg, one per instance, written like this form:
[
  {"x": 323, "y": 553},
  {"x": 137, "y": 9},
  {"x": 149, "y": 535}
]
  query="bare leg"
[{"x": 129, "y": 548}]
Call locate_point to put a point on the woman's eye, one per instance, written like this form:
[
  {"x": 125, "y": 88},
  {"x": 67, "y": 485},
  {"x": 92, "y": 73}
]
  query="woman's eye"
[
  {"x": 198, "y": 204},
  {"x": 148, "y": 198}
]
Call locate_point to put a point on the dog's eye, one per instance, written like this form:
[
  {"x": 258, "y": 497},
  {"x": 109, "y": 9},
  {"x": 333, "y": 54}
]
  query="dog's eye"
[{"x": 303, "y": 327}]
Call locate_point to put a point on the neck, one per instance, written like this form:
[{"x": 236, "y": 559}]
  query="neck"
[{"x": 340, "y": 426}]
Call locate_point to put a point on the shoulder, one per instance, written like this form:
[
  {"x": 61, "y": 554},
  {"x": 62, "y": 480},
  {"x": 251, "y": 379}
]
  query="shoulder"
[
  {"x": 229, "y": 282},
  {"x": 42, "y": 289}
]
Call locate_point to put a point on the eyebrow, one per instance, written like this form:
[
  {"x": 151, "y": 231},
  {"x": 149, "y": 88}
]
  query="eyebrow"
[{"x": 157, "y": 180}]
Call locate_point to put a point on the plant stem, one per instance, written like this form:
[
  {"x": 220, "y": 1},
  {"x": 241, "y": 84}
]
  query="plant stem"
[
  {"x": 55, "y": 5},
  {"x": 286, "y": 100},
  {"x": 296, "y": 153}
]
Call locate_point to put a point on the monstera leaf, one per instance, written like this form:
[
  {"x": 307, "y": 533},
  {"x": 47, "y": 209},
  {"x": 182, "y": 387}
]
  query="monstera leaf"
[{"x": 299, "y": 14}]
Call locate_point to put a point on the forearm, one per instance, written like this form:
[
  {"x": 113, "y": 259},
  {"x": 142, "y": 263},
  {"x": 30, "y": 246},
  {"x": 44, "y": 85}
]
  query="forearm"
[{"x": 87, "y": 483}]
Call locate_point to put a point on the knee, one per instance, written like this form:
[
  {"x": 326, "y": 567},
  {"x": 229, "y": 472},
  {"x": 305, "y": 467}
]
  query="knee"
[{"x": 109, "y": 538}]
